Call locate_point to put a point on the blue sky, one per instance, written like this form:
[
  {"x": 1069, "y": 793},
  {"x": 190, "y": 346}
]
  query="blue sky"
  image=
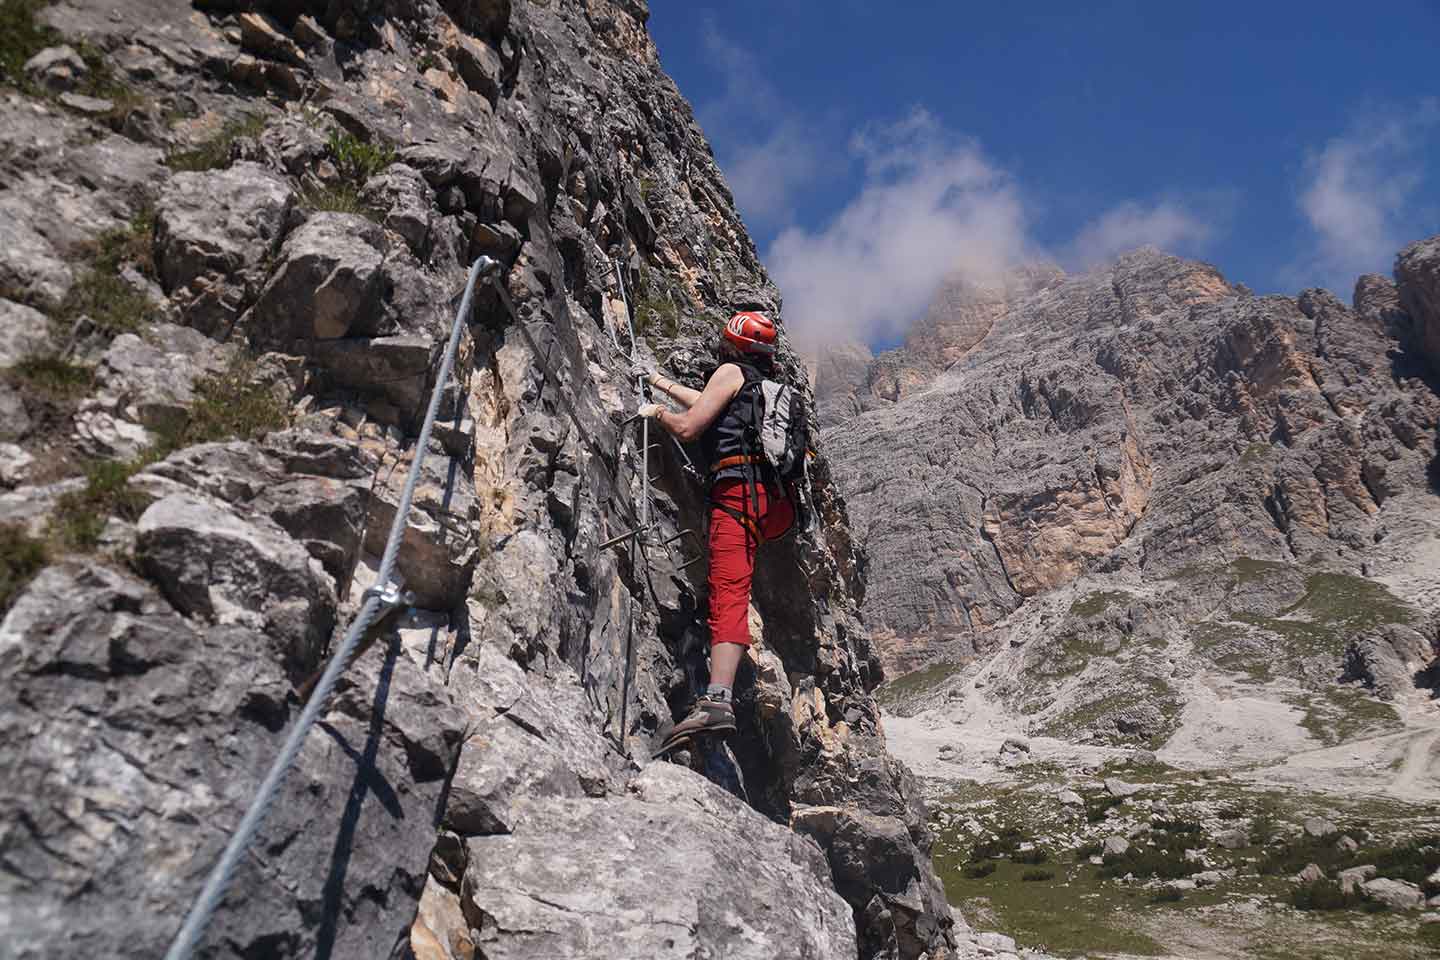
[{"x": 1290, "y": 144}]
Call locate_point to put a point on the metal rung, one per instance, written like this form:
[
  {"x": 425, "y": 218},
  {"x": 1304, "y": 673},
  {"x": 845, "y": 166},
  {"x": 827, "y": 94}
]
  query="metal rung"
[
  {"x": 678, "y": 536},
  {"x": 691, "y": 562},
  {"x": 623, "y": 537}
]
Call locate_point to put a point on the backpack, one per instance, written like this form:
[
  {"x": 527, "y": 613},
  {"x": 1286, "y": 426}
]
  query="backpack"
[{"x": 780, "y": 423}]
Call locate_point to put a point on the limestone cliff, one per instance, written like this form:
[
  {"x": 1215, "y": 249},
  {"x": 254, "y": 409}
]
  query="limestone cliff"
[
  {"x": 1149, "y": 420},
  {"x": 233, "y": 237}
]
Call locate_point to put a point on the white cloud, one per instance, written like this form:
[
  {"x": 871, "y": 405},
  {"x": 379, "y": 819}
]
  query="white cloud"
[
  {"x": 930, "y": 204},
  {"x": 1167, "y": 225},
  {"x": 1355, "y": 193},
  {"x": 768, "y": 150}
]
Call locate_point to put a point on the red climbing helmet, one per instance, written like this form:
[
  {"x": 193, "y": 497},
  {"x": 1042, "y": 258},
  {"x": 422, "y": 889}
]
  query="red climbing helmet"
[{"x": 751, "y": 332}]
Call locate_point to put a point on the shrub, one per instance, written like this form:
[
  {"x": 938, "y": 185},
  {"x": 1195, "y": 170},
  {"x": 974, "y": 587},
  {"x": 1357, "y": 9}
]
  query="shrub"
[
  {"x": 355, "y": 160},
  {"x": 1165, "y": 860},
  {"x": 976, "y": 871},
  {"x": 1097, "y": 807},
  {"x": 1006, "y": 844},
  {"x": 219, "y": 150},
  {"x": 1168, "y": 894},
  {"x": 1087, "y": 850},
  {"x": 21, "y": 37},
  {"x": 1230, "y": 813},
  {"x": 1414, "y": 862},
  {"x": 228, "y": 406},
  {"x": 53, "y": 377},
  {"x": 336, "y": 198},
  {"x": 1323, "y": 895},
  {"x": 1032, "y": 856},
  {"x": 1177, "y": 826},
  {"x": 1037, "y": 876},
  {"x": 21, "y": 557},
  {"x": 80, "y": 517},
  {"x": 101, "y": 294}
]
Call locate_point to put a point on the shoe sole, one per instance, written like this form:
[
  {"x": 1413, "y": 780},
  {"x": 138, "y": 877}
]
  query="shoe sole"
[{"x": 690, "y": 738}]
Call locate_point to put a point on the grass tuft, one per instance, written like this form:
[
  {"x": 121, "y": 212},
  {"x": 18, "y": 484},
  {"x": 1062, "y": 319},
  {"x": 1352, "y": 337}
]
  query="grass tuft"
[
  {"x": 976, "y": 871},
  {"x": 219, "y": 150},
  {"x": 21, "y": 557},
  {"x": 53, "y": 377},
  {"x": 21, "y": 37},
  {"x": 113, "y": 305},
  {"x": 1037, "y": 876},
  {"x": 357, "y": 160}
]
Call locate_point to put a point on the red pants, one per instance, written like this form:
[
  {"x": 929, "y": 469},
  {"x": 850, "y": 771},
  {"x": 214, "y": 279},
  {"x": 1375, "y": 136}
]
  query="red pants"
[{"x": 732, "y": 553}]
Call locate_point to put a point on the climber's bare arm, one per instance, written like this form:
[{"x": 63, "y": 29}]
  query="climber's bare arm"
[
  {"x": 724, "y": 383},
  {"x": 681, "y": 394}
]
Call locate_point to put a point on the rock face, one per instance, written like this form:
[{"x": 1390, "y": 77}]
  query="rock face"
[
  {"x": 475, "y": 786},
  {"x": 1147, "y": 420},
  {"x": 1418, "y": 270}
]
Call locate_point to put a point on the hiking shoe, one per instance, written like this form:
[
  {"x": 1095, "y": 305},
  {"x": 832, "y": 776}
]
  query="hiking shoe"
[{"x": 708, "y": 717}]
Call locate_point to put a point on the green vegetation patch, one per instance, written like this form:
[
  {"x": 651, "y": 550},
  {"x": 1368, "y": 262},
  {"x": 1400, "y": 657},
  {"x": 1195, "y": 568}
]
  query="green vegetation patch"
[
  {"x": 1097, "y": 603},
  {"x": 21, "y": 557},
  {"x": 356, "y": 161},
  {"x": 53, "y": 378},
  {"x": 228, "y": 406},
  {"x": 906, "y": 688},
  {"x": 1163, "y": 859},
  {"x": 21, "y": 37},
  {"x": 100, "y": 293},
  {"x": 1337, "y": 714},
  {"x": 219, "y": 150}
]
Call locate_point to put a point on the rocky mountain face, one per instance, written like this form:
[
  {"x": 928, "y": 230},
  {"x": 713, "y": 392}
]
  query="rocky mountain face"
[
  {"x": 1150, "y": 418},
  {"x": 233, "y": 238},
  {"x": 1159, "y": 561}
]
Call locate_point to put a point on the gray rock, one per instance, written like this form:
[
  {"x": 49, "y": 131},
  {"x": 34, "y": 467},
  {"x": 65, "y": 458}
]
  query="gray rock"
[
  {"x": 646, "y": 887},
  {"x": 1310, "y": 874},
  {"x": 1209, "y": 878},
  {"x": 15, "y": 421},
  {"x": 1395, "y": 894},
  {"x": 168, "y": 734},
  {"x": 214, "y": 566},
  {"x": 1319, "y": 827},
  {"x": 1015, "y": 745},
  {"x": 1386, "y": 659},
  {"x": 92, "y": 106},
  {"x": 996, "y": 942},
  {"x": 26, "y": 332},
  {"x": 1354, "y": 876},
  {"x": 328, "y": 283},
  {"x": 1116, "y": 846},
  {"x": 1119, "y": 788},
  {"x": 1417, "y": 271},
  {"x": 219, "y": 222},
  {"x": 31, "y": 507},
  {"x": 408, "y": 204},
  {"x": 1346, "y": 844},
  {"x": 1232, "y": 839},
  {"x": 56, "y": 68},
  {"x": 15, "y": 465},
  {"x": 1070, "y": 798}
]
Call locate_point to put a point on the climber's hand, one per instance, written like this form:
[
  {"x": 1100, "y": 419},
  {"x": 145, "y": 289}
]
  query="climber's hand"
[
  {"x": 644, "y": 371},
  {"x": 650, "y": 410}
]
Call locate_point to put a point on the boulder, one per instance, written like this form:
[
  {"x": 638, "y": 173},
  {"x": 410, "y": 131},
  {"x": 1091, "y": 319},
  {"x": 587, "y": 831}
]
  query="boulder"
[
  {"x": 56, "y": 68},
  {"x": 1232, "y": 839},
  {"x": 1354, "y": 876},
  {"x": 1346, "y": 844},
  {"x": 221, "y": 569},
  {"x": 996, "y": 942},
  {"x": 1119, "y": 788},
  {"x": 24, "y": 332},
  {"x": 407, "y": 201},
  {"x": 652, "y": 874},
  {"x": 328, "y": 284},
  {"x": 219, "y": 220},
  {"x": 1310, "y": 874},
  {"x": 1070, "y": 798},
  {"x": 157, "y": 731},
  {"x": 1116, "y": 846},
  {"x": 15, "y": 464},
  {"x": 1395, "y": 894},
  {"x": 1387, "y": 658},
  {"x": 1319, "y": 827},
  {"x": 1417, "y": 272}
]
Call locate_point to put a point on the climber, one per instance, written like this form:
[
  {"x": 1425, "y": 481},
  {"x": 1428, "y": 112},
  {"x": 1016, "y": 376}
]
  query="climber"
[{"x": 747, "y": 503}]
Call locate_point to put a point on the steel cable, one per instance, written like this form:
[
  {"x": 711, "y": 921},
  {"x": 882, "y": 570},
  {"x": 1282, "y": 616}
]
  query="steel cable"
[{"x": 223, "y": 872}]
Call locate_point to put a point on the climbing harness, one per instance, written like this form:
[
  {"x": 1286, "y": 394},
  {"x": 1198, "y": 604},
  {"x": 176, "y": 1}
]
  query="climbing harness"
[{"x": 378, "y": 601}]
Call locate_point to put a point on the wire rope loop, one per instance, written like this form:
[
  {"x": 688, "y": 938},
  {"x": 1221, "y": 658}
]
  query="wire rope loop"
[{"x": 223, "y": 872}]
